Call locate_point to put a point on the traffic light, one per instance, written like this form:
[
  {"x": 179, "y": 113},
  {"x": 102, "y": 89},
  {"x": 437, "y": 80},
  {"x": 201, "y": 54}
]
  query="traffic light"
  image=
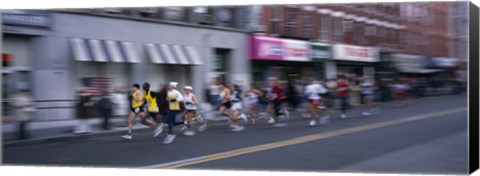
[{"x": 6, "y": 59}]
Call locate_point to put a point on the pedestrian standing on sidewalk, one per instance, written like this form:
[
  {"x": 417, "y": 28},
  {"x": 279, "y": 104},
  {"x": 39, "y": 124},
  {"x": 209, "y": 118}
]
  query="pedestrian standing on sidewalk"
[
  {"x": 292, "y": 95},
  {"x": 24, "y": 108},
  {"x": 342, "y": 93},
  {"x": 120, "y": 102},
  {"x": 85, "y": 112},
  {"x": 368, "y": 90},
  {"x": 106, "y": 106},
  {"x": 214, "y": 91}
]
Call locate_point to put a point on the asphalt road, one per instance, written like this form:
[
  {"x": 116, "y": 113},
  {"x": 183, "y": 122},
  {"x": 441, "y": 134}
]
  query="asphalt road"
[{"x": 425, "y": 136}]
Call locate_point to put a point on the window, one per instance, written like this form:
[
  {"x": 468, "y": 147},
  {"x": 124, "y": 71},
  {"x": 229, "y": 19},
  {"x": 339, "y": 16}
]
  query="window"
[
  {"x": 381, "y": 35},
  {"x": 347, "y": 26},
  {"x": 224, "y": 17},
  {"x": 308, "y": 25},
  {"x": 276, "y": 28},
  {"x": 338, "y": 30},
  {"x": 325, "y": 28},
  {"x": 291, "y": 24},
  {"x": 276, "y": 12},
  {"x": 174, "y": 13},
  {"x": 370, "y": 30}
]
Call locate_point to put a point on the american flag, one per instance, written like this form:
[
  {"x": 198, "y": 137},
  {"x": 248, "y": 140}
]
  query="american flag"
[{"x": 99, "y": 84}]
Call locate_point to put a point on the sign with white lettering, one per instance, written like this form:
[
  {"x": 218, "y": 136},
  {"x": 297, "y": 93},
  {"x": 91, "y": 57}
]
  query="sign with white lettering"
[
  {"x": 355, "y": 53},
  {"x": 26, "y": 19}
]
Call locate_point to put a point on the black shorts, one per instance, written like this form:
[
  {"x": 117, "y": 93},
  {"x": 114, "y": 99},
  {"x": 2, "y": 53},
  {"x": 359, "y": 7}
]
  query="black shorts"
[
  {"x": 133, "y": 110},
  {"x": 153, "y": 115},
  {"x": 227, "y": 104}
]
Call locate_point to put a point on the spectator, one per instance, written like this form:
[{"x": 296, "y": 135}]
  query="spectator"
[
  {"x": 85, "y": 112},
  {"x": 105, "y": 105},
  {"x": 24, "y": 108}
]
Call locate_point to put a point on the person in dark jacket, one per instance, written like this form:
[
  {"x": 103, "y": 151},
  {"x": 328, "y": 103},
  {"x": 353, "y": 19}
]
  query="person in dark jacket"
[
  {"x": 163, "y": 103},
  {"x": 85, "y": 112},
  {"x": 106, "y": 108},
  {"x": 292, "y": 94}
]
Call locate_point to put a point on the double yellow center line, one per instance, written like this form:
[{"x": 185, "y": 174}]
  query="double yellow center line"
[{"x": 303, "y": 139}]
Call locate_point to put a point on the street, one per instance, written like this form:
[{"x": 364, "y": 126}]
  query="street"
[{"x": 427, "y": 135}]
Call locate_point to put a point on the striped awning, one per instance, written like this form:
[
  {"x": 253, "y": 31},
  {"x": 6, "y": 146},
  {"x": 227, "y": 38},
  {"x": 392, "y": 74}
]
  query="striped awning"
[
  {"x": 104, "y": 50},
  {"x": 173, "y": 54}
]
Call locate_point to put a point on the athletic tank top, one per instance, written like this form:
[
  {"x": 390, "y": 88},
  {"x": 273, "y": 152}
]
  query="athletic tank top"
[
  {"x": 173, "y": 95},
  {"x": 189, "y": 102},
  {"x": 151, "y": 101},
  {"x": 135, "y": 103}
]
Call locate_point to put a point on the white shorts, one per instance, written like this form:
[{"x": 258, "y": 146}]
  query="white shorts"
[{"x": 237, "y": 106}]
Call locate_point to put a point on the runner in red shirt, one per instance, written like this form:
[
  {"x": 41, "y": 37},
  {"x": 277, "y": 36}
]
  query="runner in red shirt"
[
  {"x": 342, "y": 93},
  {"x": 276, "y": 96}
]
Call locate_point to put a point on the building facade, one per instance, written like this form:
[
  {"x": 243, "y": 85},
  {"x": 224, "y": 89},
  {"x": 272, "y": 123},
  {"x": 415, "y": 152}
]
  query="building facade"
[
  {"x": 365, "y": 39},
  {"x": 110, "y": 48}
]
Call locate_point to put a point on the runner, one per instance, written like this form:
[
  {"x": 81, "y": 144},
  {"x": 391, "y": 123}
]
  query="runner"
[
  {"x": 175, "y": 99},
  {"x": 190, "y": 114},
  {"x": 236, "y": 109},
  {"x": 276, "y": 96},
  {"x": 367, "y": 93},
  {"x": 253, "y": 95},
  {"x": 313, "y": 91},
  {"x": 137, "y": 110},
  {"x": 342, "y": 94},
  {"x": 151, "y": 102}
]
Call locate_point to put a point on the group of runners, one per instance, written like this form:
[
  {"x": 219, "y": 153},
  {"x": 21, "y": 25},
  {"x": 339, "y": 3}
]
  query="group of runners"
[{"x": 231, "y": 98}]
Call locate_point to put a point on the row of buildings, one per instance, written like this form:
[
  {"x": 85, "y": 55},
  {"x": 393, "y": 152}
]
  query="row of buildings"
[{"x": 54, "y": 52}]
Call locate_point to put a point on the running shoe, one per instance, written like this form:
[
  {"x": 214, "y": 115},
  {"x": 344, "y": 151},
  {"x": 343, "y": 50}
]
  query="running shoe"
[
  {"x": 202, "y": 127},
  {"x": 280, "y": 125},
  {"x": 312, "y": 123},
  {"x": 325, "y": 119},
  {"x": 127, "y": 136},
  {"x": 200, "y": 118},
  {"x": 251, "y": 121},
  {"x": 238, "y": 128},
  {"x": 189, "y": 133},
  {"x": 158, "y": 130},
  {"x": 271, "y": 120},
  {"x": 287, "y": 114},
  {"x": 244, "y": 117},
  {"x": 169, "y": 139}
]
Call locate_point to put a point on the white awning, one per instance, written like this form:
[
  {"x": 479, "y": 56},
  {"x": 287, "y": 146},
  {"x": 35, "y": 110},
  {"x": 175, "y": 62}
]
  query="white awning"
[
  {"x": 95, "y": 50},
  {"x": 173, "y": 54}
]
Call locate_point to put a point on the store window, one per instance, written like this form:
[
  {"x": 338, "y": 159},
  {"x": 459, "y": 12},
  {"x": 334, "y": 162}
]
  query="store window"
[
  {"x": 175, "y": 13},
  {"x": 325, "y": 28},
  {"x": 308, "y": 24},
  {"x": 338, "y": 30},
  {"x": 291, "y": 24}
]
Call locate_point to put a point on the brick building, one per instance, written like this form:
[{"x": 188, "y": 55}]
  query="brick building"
[{"x": 413, "y": 32}]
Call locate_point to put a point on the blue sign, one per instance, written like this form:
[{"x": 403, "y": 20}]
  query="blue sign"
[{"x": 26, "y": 19}]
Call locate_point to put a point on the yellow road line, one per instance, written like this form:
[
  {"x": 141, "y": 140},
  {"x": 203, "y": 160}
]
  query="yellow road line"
[{"x": 309, "y": 138}]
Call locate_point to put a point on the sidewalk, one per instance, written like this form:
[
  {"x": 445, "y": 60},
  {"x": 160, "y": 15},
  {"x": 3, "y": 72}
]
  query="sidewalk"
[{"x": 63, "y": 130}]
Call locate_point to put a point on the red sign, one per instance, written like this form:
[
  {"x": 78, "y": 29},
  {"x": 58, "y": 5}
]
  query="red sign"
[{"x": 357, "y": 52}]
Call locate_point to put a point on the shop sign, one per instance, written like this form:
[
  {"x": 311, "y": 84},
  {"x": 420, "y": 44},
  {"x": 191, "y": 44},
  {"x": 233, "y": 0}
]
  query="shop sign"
[
  {"x": 295, "y": 50},
  {"x": 26, "y": 19},
  {"x": 269, "y": 48},
  {"x": 355, "y": 53},
  {"x": 266, "y": 48},
  {"x": 319, "y": 51}
]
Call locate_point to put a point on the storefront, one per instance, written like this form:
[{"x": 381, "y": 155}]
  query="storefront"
[
  {"x": 283, "y": 59},
  {"x": 103, "y": 52},
  {"x": 355, "y": 61},
  {"x": 20, "y": 30},
  {"x": 409, "y": 65},
  {"x": 321, "y": 54}
]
